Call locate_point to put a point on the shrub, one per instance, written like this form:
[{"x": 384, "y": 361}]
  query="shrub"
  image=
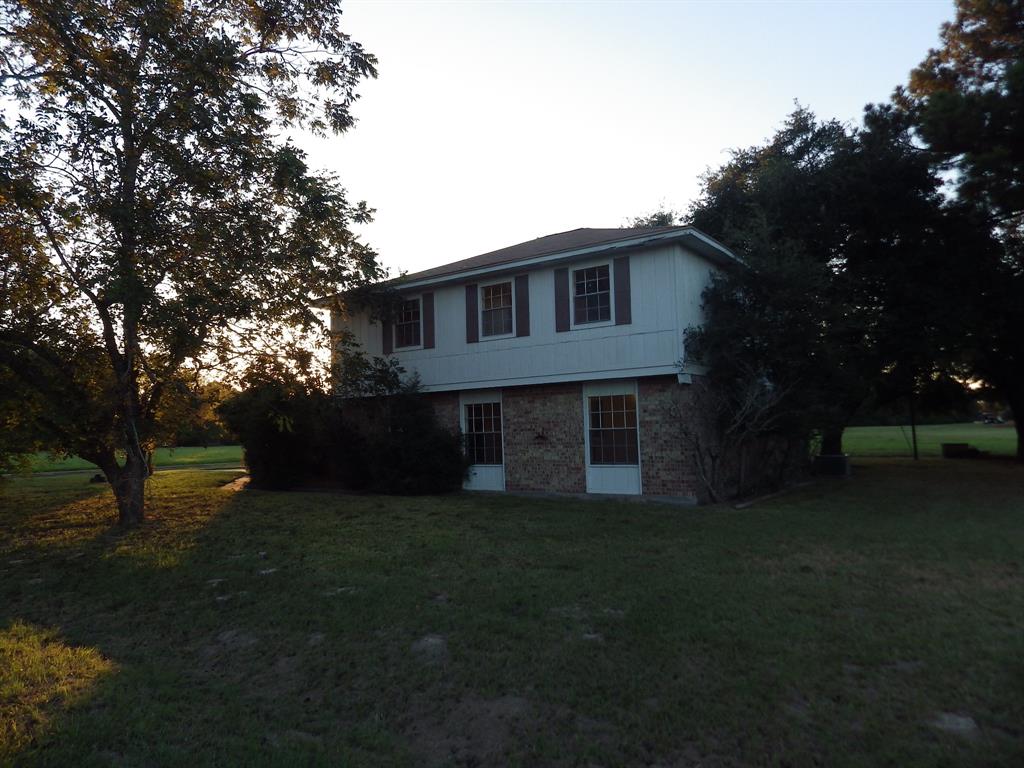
[
  {"x": 274, "y": 424},
  {"x": 384, "y": 443},
  {"x": 398, "y": 446},
  {"x": 409, "y": 451}
]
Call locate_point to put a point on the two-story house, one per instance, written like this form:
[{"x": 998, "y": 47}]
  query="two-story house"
[{"x": 559, "y": 358}]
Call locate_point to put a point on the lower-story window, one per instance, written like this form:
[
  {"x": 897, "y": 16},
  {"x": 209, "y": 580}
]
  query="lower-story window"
[
  {"x": 613, "y": 432},
  {"x": 483, "y": 433}
]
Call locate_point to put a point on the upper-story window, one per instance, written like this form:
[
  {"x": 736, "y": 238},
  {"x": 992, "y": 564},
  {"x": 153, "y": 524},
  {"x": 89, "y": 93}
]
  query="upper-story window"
[
  {"x": 496, "y": 309},
  {"x": 407, "y": 324},
  {"x": 592, "y": 295}
]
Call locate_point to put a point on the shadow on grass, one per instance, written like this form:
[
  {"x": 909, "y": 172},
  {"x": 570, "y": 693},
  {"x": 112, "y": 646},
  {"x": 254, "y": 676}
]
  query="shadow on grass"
[{"x": 831, "y": 626}]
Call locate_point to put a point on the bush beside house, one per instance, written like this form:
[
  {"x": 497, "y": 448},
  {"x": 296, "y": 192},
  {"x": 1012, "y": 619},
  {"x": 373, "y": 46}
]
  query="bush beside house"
[{"x": 390, "y": 444}]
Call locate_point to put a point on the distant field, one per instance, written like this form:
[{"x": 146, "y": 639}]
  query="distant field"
[
  {"x": 998, "y": 439},
  {"x": 165, "y": 457}
]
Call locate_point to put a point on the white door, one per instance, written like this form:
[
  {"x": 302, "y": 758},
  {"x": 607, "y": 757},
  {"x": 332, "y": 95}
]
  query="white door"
[
  {"x": 612, "y": 437},
  {"x": 482, "y": 429}
]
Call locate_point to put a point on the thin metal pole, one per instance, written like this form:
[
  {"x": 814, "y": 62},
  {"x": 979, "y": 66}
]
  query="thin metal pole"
[{"x": 913, "y": 425}]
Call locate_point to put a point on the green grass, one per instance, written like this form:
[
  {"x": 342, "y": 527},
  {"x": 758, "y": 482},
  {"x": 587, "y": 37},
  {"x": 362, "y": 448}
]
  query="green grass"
[
  {"x": 997, "y": 439},
  {"x": 829, "y": 626},
  {"x": 164, "y": 457}
]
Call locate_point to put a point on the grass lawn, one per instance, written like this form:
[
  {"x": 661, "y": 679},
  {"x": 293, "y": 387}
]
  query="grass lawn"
[
  {"x": 164, "y": 457},
  {"x": 838, "y": 625},
  {"x": 997, "y": 439}
]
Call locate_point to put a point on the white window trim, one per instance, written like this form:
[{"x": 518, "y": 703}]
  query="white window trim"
[
  {"x": 485, "y": 396},
  {"x": 394, "y": 327},
  {"x": 611, "y": 388},
  {"x": 480, "y": 309},
  {"x": 573, "y": 269}
]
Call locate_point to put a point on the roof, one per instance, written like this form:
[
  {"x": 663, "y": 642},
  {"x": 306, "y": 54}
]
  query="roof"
[
  {"x": 542, "y": 246},
  {"x": 563, "y": 246}
]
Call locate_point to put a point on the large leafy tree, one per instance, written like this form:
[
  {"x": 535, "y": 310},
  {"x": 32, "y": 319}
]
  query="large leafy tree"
[
  {"x": 153, "y": 216},
  {"x": 785, "y": 313},
  {"x": 851, "y": 255},
  {"x": 662, "y": 217},
  {"x": 967, "y": 99}
]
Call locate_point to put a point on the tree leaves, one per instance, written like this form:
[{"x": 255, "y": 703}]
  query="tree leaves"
[{"x": 147, "y": 171}]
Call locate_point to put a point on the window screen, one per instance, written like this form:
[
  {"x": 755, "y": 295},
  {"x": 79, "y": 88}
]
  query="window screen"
[
  {"x": 496, "y": 312},
  {"x": 592, "y": 296},
  {"x": 613, "y": 432},
  {"x": 407, "y": 324},
  {"x": 483, "y": 433}
]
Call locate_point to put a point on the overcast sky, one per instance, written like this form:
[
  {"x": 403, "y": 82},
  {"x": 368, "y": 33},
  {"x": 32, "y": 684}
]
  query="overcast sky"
[{"x": 497, "y": 122}]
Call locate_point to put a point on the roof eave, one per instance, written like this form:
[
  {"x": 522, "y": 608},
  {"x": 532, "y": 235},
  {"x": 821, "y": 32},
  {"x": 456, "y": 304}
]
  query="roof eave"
[
  {"x": 696, "y": 240},
  {"x": 702, "y": 244}
]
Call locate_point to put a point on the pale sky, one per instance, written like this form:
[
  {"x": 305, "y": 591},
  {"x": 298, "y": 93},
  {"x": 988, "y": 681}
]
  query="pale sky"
[{"x": 497, "y": 122}]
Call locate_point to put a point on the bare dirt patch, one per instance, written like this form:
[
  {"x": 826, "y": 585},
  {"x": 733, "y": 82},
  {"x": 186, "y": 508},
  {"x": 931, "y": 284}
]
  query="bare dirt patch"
[
  {"x": 226, "y": 644},
  {"x": 594, "y": 731},
  {"x": 475, "y": 731},
  {"x": 237, "y": 485},
  {"x": 958, "y": 725},
  {"x": 430, "y": 649},
  {"x": 570, "y": 612}
]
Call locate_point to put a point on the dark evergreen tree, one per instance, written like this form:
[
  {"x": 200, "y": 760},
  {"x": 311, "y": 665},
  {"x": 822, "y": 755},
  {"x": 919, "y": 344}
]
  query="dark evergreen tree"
[
  {"x": 967, "y": 100},
  {"x": 851, "y": 254}
]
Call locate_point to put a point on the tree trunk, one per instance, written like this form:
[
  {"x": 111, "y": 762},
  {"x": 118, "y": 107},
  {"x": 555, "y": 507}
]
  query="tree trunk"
[
  {"x": 129, "y": 486},
  {"x": 130, "y": 492},
  {"x": 832, "y": 442}
]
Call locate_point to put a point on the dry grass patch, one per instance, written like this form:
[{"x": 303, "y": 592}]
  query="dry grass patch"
[{"x": 40, "y": 676}]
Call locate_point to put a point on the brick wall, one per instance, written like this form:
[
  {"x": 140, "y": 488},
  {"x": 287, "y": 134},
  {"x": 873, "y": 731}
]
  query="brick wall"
[
  {"x": 665, "y": 462},
  {"x": 554, "y": 412},
  {"x": 446, "y": 406},
  {"x": 544, "y": 438}
]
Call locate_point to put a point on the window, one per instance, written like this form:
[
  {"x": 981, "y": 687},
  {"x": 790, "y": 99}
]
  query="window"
[
  {"x": 483, "y": 433},
  {"x": 496, "y": 309},
  {"x": 407, "y": 324},
  {"x": 592, "y": 295},
  {"x": 613, "y": 434}
]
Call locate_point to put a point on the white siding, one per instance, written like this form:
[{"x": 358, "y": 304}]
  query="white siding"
[
  {"x": 366, "y": 333},
  {"x": 692, "y": 276},
  {"x": 666, "y": 283}
]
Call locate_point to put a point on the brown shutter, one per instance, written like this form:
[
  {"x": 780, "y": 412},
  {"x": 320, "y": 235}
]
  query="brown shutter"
[
  {"x": 389, "y": 336},
  {"x": 623, "y": 302},
  {"x": 522, "y": 305},
  {"x": 561, "y": 299},
  {"x": 472, "y": 319},
  {"x": 427, "y": 317}
]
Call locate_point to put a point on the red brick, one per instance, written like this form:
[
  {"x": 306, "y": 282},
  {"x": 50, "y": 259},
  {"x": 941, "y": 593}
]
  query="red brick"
[
  {"x": 544, "y": 445},
  {"x": 544, "y": 438},
  {"x": 665, "y": 465}
]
